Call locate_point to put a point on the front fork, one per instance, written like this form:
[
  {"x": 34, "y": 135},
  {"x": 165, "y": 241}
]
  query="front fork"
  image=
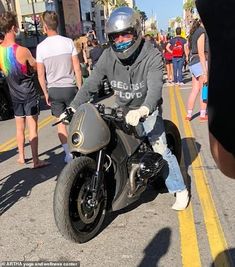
[{"x": 97, "y": 178}]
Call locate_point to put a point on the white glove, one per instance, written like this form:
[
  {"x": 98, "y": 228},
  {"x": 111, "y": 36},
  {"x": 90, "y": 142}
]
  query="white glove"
[
  {"x": 66, "y": 116},
  {"x": 133, "y": 116}
]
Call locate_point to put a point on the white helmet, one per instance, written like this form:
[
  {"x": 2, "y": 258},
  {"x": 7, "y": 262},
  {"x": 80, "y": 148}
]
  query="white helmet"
[{"x": 121, "y": 20}]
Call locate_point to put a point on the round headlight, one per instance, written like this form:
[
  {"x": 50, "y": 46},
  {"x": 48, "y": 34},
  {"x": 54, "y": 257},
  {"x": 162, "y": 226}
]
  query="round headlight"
[{"x": 76, "y": 138}]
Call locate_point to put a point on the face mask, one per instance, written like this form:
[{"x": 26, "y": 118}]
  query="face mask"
[{"x": 122, "y": 46}]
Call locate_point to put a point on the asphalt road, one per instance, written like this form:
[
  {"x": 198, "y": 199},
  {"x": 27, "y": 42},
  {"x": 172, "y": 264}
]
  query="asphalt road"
[{"x": 149, "y": 234}]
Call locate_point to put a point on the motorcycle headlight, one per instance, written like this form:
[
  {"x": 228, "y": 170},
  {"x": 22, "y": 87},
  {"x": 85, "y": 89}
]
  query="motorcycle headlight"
[{"x": 76, "y": 139}]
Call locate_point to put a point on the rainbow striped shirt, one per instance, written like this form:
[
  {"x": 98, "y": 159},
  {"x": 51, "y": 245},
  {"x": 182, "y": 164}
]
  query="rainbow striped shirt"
[{"x": 8, "y": 62}]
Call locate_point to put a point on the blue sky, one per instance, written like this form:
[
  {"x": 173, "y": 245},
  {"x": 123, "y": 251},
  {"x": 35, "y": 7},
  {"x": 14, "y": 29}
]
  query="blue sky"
[{"x": 163, "y": 9}]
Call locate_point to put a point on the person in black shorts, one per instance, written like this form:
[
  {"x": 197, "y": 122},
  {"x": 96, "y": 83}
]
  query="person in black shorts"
[
  {"x": 25, "y": 99},
  {"x": 59, "y": 72},
  {"x": 221, "y": 94}
]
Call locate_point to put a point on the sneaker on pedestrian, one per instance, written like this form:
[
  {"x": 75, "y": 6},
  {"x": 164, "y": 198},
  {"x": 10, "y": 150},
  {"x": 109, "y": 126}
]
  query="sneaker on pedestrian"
[
  {"x": 203, "y": 118},
  {"x": 182, "y": 200},
  {"x": 68, "y": 158},
  {"x": 181, "y": 83}
]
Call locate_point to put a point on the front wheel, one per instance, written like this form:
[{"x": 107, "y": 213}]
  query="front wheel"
[{"x": 76, "y": 218}]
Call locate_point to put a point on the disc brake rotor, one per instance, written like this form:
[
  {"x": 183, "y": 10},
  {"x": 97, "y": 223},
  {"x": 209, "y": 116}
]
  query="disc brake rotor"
[{"x": 87, "y": 213}]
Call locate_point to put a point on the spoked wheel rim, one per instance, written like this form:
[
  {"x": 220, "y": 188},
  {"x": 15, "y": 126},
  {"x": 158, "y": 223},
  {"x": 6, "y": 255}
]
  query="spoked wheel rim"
[{"x": 83, "y": 215}]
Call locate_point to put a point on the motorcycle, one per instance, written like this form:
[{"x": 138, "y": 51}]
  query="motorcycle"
[{"x": 111, "y": 168}]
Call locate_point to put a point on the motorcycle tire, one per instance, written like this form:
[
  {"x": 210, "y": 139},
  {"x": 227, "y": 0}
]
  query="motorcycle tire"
[
  {"x": 173, "y": 139},
  {"x": 75, "y": 218}
]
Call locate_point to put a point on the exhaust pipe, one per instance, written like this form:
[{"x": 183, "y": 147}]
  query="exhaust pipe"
[{"x": 134, "y": 169}]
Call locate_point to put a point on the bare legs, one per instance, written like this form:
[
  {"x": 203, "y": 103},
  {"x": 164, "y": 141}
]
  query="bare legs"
[
  {"x": 32, "y": 122},
  {"x": 62, "y": 133},
  {"x": 197, "y": 84},
  {"x": 169, "y": 70},
  {"x": 20, "y": 128},
  {"x": 63, "y": 136}
]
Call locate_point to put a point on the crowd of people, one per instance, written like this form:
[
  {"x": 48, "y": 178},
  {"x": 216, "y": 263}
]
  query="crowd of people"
[
  {"x": 177, "y": 52},
  {"x": 59, "y": 82}
]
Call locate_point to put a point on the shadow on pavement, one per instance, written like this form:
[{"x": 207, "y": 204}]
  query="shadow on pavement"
[
  {"x": 157, "y": 248},
  {"x": 191, "y": 148},
  {"x": 10, "y": 153},
  {"x": 147, "y": 196},
  {"x": 19, "y": 184},
  {"x": 220, "y": 259}
]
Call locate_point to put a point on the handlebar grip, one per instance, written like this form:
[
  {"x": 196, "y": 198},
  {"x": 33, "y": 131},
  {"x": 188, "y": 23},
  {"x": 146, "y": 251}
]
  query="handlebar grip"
[{"x": 54, "y": 124}]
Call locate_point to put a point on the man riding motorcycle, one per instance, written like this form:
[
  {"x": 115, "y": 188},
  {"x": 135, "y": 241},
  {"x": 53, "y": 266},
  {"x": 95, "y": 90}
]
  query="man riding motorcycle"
[{"x": 134, "y": 69}]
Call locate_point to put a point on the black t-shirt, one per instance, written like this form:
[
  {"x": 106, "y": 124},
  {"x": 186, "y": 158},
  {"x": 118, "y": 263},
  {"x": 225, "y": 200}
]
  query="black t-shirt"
[
  {"x": 80, "y": 57},
  {"x": 193, "y": 56},
  {"x": 95, "y": 54},
  {"x": 218, "y": 20}
]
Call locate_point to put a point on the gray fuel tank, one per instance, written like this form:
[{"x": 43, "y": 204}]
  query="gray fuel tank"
[{"x": 88, "y": 132}]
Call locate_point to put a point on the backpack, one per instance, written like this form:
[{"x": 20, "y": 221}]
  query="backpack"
[{"x": 178, "y": 49}]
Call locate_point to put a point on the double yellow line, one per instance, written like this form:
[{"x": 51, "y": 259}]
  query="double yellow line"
[
  {"x": 12, "y": 143},
  {"x": 189, "y": 243}
]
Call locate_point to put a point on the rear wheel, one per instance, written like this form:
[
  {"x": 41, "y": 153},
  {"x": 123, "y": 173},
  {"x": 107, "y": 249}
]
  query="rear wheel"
[
  {"x": 76, "y": 218},
  {"x": 174, "y": 144},
  {"x": 173, "y": 139}
]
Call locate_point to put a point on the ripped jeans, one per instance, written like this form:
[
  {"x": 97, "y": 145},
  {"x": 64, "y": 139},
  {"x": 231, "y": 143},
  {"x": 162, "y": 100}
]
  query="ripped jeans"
[{"x": 153, "y": 127}]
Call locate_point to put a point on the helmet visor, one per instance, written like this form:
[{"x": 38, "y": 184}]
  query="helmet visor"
[{"x": 120, "y": 41}]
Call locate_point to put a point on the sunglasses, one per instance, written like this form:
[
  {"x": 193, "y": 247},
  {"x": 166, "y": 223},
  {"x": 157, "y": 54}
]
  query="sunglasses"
[{"x": 126, "y": 35}]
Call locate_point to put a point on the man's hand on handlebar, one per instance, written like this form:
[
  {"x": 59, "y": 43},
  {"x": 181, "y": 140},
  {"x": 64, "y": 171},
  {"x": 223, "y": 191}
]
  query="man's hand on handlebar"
[
  {"x": 67, "y": 115},
  {"x": 133, "y": 116}
]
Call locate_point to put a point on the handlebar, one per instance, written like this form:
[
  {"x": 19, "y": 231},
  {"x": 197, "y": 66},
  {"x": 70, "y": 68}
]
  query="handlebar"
[
  {"x": 68, "y": 115},
  {"x": 114, "y": 114},
  {"x": 58, "y": 122},
  {"x": 117, "y": 115}
]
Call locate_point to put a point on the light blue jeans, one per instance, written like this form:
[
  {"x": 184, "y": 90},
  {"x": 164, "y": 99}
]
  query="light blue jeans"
[{"x": 153, "y": 128}]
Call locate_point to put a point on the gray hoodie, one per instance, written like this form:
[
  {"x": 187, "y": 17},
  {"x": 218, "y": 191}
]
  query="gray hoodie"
[{"x": 137, "y": 85}]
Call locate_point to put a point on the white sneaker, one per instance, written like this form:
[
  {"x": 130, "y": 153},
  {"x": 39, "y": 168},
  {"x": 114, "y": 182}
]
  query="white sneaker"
[
  {"x": 68, "y": 158},
  {"x": 182, "y": 199}
]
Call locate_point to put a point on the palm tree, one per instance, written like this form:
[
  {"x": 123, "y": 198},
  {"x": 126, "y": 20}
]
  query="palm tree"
[
  {"x": 106, "y": 4},
  {"x": 120, "y": 3},
  {"x": 178, "y": 20},
  {"x": 189, "y": 6},
  {"x": 143, "y": 18}
]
